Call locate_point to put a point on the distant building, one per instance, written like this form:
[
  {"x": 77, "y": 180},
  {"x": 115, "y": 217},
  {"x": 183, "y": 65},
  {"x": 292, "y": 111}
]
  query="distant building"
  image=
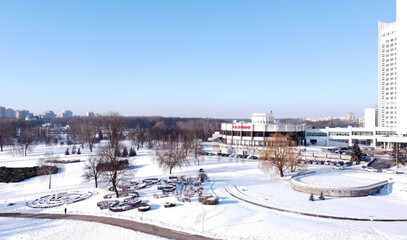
[
  {"x": 350, "y": 117},
  {"x": 10, "y": 113},
  {"x": 2, "y": 112},
  {"x": 48, "y": 115},
  {"x": 92, "y": 114},
  {"x": 22, "y": 114},
  {"x": 31, "y": 118},
  {"x": 67, "y": 114}
]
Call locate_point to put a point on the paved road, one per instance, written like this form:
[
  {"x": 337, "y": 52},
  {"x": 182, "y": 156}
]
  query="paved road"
[{"x": 136, "y": 226}]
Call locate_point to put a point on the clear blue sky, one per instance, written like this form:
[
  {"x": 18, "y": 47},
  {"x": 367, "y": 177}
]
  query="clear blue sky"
[{"x": 215, "y": 58}]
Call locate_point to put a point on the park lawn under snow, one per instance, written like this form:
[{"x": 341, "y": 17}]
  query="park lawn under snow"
[
  {"x": 36, "y": 229},
  {"x": 231, "y": 218}
]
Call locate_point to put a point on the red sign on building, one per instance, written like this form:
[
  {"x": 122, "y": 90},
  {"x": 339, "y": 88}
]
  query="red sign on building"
[{"x": 241, "y": 127}]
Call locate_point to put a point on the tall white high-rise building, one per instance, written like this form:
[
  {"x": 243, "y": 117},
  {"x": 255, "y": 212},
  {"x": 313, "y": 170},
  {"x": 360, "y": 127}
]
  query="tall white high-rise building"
[
  {"x": 392, "y": 99},
  {"x": 401, "y": 21},
  {"x": 387, "y": 74}
]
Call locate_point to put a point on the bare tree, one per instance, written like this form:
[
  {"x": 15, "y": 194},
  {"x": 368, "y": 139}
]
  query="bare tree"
[
  {"x": 279, "y": 153},
  {"x": 115, "y": 125},
  {"x": 73, "y": 128},
  {"x": 171, "y": 154},
  {"x": 397, "y": 155},
  {"x": 88, "y": 134},
  {"x": 196, "y": 148},
  {"x": 6, "y": 133},
  {"x": 26, "y": 139},
  {"x": 112, "y": 165},
  {"x": 141, "y": 138},
  {"x": 48, "y": 166},
  {"x": 93, "y": 169}
]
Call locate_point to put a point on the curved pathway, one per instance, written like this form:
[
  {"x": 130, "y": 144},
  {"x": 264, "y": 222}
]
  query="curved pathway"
[
  {"x": 132, "y": 225},
  {"x": 254, "y": 202}
]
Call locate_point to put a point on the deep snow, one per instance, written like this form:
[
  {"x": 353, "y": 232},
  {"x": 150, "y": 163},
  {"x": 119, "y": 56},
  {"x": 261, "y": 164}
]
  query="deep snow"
[{"x": 231, "y": 219}]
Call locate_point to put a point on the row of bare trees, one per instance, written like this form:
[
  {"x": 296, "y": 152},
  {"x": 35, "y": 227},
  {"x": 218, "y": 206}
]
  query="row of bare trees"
[
  {"x": 177, "y": 150},
  {"x": 143, "y": 131},
  {"x": 174, "y": 148},
  {"x": 21, "y": 134}
]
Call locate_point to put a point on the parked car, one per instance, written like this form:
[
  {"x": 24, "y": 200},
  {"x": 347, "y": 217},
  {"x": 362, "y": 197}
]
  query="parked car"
[
  {"x": 338, "y": 167},
  {"x": 390, "y": 171},
  {"x": 370, "y": 169}
]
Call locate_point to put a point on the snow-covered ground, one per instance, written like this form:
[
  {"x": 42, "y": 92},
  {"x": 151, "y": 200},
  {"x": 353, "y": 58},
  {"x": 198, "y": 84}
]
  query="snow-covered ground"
[
  {"x": 38, "y": 229},
  {"x": 231, "y": 218}
]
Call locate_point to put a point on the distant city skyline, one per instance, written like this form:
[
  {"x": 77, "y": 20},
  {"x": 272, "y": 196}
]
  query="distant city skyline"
[
  {"x": 220, "y": 59},
  {"x": 68, "y": 114}
]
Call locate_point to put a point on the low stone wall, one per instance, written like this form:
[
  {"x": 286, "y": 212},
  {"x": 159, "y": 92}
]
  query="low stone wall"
[{"x": 361, "y": 191}]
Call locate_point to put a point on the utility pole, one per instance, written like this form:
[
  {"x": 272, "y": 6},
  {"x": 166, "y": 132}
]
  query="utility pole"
[{"x": 397, "y": 156}]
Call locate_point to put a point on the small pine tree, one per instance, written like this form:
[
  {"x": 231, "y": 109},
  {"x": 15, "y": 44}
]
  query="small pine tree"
[
  {"x": 356, "y": 154},
  {"x": 311, "y": 197},
  {"x": 132, "y": 152},
  {"x": 100, "y": 135},
  {"x": 125, "y": 153},
  {"x": 79, "y": 151}
]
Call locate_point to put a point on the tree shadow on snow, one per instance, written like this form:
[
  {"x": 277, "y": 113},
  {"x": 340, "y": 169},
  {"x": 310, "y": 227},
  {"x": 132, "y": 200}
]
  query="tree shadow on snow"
[
  {"x": 135, "y": 167},
  {"x": 223, "y": 202},
  {"x": 9, "y": 228}
]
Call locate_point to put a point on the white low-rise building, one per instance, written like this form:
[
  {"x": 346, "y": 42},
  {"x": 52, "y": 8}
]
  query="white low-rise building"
[{"x": 247, "y": 138}]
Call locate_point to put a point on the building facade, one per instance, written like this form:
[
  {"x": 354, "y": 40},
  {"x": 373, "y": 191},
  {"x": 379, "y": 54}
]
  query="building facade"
[
  {"x": 392, "y": 82},
  {"x": 401, "y": 21},
  {"x": 248, "y": 138},
  {"x": 387, "y": 95},
  {"x": 67, "y": 114},
  {"x": 350, "y": 117},
  {"x": 22, "y": 114},
  {"x": 48, "y": 115},
  {"x": 370, "y": 118}
]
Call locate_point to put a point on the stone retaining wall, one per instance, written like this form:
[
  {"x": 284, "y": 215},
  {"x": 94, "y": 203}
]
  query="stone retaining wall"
[{"x": 361, "y": 191}]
